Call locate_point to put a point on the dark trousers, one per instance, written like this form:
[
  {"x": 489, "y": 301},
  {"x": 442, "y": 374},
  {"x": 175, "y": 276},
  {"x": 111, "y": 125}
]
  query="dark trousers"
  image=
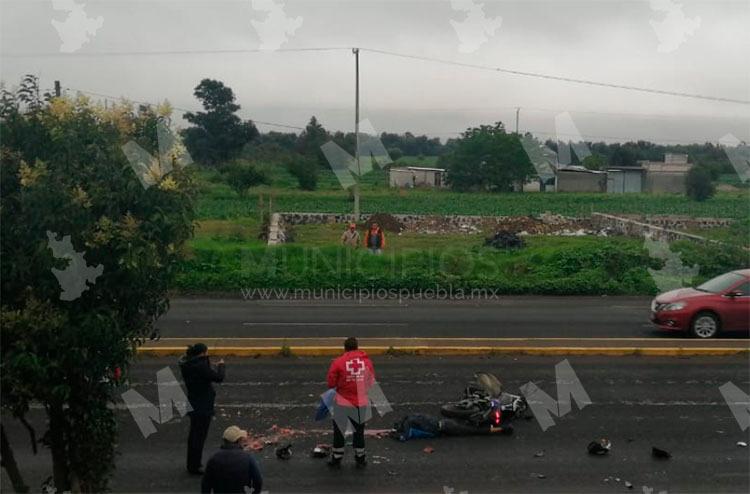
[
  {"x": 348, "y": 415},
  {"x": 199, "y": 425}
]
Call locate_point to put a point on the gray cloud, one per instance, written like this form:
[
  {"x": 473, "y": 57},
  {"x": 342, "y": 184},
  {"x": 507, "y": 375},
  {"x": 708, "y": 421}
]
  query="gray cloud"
[{"x": 601, "y": 40}]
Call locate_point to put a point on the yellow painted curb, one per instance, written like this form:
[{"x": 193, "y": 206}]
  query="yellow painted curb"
[{"x": 323, "y": 351}]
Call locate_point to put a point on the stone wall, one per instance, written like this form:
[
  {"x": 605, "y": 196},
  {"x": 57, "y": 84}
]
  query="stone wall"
[{"x": 626, "y": 226}]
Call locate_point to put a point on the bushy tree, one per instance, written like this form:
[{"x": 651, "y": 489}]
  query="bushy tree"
[
  {"x": 242, "y": 175},
  {"x": 305, "y": 170},
  {"x": 218, "y": 134},
  {"x": 310, "y": 141},
  {"x": 698, "y": 184},
  {"x": 595, "y": 162},
  {"x": 486, "y": 158},
  {"x": 64, "y": 174}
]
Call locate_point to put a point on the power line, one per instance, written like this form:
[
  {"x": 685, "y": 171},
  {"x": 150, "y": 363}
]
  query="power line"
[
  {"x": 137, "y": 53},
  {"x": 540, "y": 75},
  {"x": 454, "y": 133},
  {"x": 181, "y": 110}
]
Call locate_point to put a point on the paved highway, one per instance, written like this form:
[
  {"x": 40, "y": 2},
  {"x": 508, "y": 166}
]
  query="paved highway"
[
  {"x": 529, "y": 316},
  {"x": 638, "y": 402}
]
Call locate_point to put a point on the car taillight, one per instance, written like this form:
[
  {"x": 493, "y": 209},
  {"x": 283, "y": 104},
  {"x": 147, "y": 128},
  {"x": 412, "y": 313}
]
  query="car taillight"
[{"x": 498, "y": 417}]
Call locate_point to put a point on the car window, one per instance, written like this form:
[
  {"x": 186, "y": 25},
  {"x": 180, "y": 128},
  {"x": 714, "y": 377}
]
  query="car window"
[
  {"x": 743, "y": 289},
  {"x": 720, "y": 283}
]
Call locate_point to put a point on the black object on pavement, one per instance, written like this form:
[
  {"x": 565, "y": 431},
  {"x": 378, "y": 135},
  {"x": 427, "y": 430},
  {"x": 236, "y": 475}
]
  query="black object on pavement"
[
  {"x": 284, "y": 452},
  {"x": 600, "y": 447},
  {"x": 660, "y": 453}
]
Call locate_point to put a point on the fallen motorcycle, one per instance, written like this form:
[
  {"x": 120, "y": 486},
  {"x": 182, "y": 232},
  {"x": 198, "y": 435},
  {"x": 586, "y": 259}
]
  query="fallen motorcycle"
[
  {"x": 485, "y": 409},
  {"x": 485, "y": 403}
]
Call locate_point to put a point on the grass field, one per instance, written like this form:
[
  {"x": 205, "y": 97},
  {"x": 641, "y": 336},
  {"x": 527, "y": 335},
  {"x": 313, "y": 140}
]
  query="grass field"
[
  {"x": 227, "y": 255},
  {"x": 220, "y": 202}
]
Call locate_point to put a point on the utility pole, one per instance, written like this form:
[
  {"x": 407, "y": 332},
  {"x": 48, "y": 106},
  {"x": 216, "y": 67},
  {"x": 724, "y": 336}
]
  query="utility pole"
[
  {"x": 518, "y": 111},
  {"x": 356, "y": 132},
  {"x": 58, "y": 90}
]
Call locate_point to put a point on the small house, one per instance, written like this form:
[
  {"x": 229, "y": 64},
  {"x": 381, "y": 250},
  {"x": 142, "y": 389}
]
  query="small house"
[{"x": 417, "y": 176}]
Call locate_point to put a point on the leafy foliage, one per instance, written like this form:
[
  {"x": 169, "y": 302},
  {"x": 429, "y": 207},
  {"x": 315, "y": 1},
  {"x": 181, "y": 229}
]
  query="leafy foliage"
[
  {"x": 486, "y": 158},
  {"x": 63, "y": 171},
  {"x": 218, "y": 134},
  {"x": 241, "y": 176},
  {"x": 310, "y": 141},
  {"x": 698, "y": 184},
  {"x": 305, "y": 171}
]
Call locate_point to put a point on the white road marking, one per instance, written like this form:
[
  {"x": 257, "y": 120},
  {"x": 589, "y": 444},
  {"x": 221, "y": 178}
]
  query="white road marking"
[{"x": 325, "y": 324}]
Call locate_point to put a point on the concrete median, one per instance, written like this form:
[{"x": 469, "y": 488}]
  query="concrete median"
[{"x": 252, "y": 347}]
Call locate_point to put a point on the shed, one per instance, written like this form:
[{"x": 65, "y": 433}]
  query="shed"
[
  {"x": 580, "y": 179},
  {"x": 417, "y": 176},
  {"x": 621, "y": 179}
]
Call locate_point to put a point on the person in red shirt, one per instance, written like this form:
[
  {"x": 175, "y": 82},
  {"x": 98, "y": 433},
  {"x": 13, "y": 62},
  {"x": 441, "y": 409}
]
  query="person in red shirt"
[{"x": 351, "y": 375}]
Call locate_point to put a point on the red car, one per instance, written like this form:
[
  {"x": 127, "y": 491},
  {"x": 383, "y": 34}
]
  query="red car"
[{"x": 720, "y": 304}]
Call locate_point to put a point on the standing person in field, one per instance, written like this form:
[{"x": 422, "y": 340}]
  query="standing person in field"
[
  {"x": 350, "y": 237},
  {"x": 375, "y": 239},
  {"x": 199, "y": 376},
  {"x": 351, "y": 375}
]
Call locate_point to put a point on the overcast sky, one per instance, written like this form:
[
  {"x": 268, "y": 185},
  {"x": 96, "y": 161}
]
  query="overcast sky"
[{"x": 700, "y": 47}]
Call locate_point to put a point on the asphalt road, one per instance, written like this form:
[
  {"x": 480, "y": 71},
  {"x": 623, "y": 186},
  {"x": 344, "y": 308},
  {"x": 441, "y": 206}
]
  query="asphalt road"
[
  {"x": 529, "y": 316},
  {"x": 638, "y": 402}
]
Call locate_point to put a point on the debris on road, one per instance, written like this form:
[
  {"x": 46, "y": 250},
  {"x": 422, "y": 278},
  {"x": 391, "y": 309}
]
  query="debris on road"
[
  {"x": 273, "y": 436},
  {"x": 429, "y": 450},
  {"x": 660, "y": 453},
  {"x": 628, "y": 485},
  {"x": 539, "y": 454},
  {"x": 742, "y": 444},
  {"x": 321, "y": 451},
  {"x": 600, "y": 447},
  {"x": 284, "y": 452}
]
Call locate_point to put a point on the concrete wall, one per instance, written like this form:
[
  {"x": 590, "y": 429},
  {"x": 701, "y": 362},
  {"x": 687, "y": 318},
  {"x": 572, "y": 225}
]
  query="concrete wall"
[
  {"x": 570, "y": 181},
  {"x": 400, "y": 177},
  {"x": 626, "y": 226},
  {"x": 670, "y": 182}
]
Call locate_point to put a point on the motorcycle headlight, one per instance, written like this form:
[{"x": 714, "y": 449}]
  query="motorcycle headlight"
[{"x": 676, "y": 306}]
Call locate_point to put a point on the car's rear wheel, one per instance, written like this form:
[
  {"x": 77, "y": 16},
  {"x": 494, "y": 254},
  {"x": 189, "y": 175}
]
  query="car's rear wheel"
[{"x": 705, "y": 325}]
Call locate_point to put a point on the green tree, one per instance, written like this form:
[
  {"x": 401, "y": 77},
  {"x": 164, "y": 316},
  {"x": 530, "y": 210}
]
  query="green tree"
[
  {"x": 305, "y": 170},
  {"x": 595, "y": 162},
  {"x": 242, "y": 176},
  {"x": 698, "y": 184},
  {"x": 487, "y": 158},
  {"x": 310, "y": 140},
  {"x": 218, "y": 134},
  {"x": 395, "y": 153},
  {"x": 62, "y": 352}
]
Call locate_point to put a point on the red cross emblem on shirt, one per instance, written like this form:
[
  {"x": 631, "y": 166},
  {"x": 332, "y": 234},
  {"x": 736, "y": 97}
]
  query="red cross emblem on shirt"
[{"x": 355, "y": 369}]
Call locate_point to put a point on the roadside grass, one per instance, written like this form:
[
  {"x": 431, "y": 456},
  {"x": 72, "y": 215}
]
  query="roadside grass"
[{"x": 548, "y": 265}]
